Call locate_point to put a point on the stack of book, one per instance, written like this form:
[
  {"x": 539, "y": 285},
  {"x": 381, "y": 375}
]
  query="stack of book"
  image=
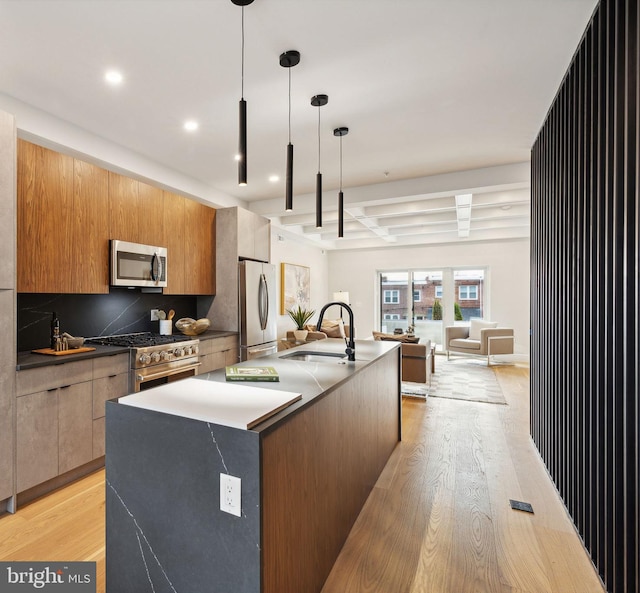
[{"x": 244, "y": 373}]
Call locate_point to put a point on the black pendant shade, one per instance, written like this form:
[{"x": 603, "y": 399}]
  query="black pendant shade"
[
  {"x": 288, "y": 60},
  {"x": 319, "y": 101},
  {"x": 289, "y": 179},
  {"x": 340, "y": 132},
  {"x": 242, "y": 112},
  {"x": 242, "y": 144},
  {"x": 319, "y": 201}
]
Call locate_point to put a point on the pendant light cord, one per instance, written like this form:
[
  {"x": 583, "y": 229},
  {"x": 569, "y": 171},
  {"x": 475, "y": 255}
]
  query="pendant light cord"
[
  {"x": 289, "y": 105},
  {"x": 319, "y": 139},
  {"x": 340, "y": 163},
  {"x": 242, "y": 60}
]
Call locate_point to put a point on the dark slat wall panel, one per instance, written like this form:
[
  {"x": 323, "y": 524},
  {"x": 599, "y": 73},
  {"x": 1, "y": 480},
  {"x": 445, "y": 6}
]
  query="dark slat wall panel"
[{"x": 585, "y": 259}]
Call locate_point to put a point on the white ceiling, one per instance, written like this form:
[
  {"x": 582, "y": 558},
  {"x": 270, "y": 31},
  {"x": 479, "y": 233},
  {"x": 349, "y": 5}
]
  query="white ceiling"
[{"x": 441, "y": 97}]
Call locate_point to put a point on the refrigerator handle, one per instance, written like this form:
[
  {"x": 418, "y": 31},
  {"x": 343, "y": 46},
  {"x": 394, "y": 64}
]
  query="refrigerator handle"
[{"x": 263, "y": 295}]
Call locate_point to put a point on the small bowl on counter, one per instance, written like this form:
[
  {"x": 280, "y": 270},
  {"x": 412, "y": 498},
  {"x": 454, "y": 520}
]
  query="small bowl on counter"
[{"x": 192, "y": 327}]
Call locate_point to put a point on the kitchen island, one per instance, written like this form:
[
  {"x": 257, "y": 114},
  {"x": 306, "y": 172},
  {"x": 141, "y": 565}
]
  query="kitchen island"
[{"x": 305, "y": 473}]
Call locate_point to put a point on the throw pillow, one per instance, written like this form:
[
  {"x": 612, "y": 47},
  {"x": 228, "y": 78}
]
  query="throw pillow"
[
  {"x": 476, "y": 325},
  {"x": 333, "y": 329}
]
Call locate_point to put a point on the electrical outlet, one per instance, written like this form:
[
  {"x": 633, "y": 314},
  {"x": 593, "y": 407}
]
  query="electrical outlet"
[
  {"x": 154, "y": 315},
  {"x": 230, "y": 491}
]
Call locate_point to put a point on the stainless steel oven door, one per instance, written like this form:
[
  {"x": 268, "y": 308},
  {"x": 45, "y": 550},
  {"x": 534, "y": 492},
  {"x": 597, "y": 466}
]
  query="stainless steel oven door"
[{"x": 160, "y": 374}]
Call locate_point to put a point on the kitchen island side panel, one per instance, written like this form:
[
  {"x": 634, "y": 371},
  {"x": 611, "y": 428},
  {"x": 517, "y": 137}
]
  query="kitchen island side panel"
[
  {"x": 318, "y": 468},
  {"x": 165, "y": 530}
]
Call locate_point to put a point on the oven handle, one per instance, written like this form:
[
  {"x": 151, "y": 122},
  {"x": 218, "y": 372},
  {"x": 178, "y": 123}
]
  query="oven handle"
[{"x": 166, "y": 374}]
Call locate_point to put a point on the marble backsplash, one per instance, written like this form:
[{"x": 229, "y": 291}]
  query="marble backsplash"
[{"x": 122, "y": 311}]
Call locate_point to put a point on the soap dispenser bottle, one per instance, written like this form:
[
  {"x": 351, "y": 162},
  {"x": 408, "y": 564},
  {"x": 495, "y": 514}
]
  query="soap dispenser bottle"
[{"x": 55, "y": 331}]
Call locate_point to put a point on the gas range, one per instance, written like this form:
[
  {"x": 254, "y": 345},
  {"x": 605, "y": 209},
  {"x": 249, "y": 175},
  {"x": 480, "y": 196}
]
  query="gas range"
[{"x": 155, "y": 358}]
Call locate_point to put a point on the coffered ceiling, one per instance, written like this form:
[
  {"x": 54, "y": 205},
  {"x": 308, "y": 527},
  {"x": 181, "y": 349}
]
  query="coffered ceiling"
[{"x": 442, "y": 98}]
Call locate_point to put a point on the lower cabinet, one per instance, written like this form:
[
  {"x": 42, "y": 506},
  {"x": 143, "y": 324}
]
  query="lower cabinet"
[
  {"x": 60, "y": 416},
  {"x": 217, "y": 353},
  {"x": 36, "y": 438},
  {"x": 53, "y": 433}
]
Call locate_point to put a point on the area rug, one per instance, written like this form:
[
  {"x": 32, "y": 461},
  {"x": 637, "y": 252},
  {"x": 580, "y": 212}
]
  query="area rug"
[
  {"x": 466, "y": 379},
  {"x": 419, "y": 390}
]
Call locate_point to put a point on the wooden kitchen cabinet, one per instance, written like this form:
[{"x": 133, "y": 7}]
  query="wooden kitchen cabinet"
[
  {"x": 123, "y": 208},
  {"x": 136, "y": 211},
  {"x": 173, "y": 211},
  {"x": 90, "y": 236},
  {"x": 190, "y": 240},
  {"x": 151, "y": 229},
  {"x": 62, "y": 238},
  {"x": 68, "y": 210},
  {"x": 44, "y": 220},
  {"x": 199, "y": 256}
]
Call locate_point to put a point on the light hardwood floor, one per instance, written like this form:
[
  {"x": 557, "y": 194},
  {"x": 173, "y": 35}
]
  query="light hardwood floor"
[{"x": 437, "y": 521}]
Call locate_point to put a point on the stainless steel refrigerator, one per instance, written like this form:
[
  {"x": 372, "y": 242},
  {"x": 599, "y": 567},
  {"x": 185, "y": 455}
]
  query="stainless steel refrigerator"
[{"x": 258, "y": 325}]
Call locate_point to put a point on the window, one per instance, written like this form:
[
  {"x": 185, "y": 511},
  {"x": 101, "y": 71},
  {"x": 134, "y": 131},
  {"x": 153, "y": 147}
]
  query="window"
[
  {"x": 468, "y": 292},
  {"x": 391, "y": 316},
  {"x": 416, "y": 296},
  {"x": 438, "y": 291},
  {"x": 391, "y": 297}
]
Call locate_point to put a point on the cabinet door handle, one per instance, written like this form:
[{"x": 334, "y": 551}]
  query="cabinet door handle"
[
  {"x": 65, "y": 386},
  {"x": 112, "y": 376}
]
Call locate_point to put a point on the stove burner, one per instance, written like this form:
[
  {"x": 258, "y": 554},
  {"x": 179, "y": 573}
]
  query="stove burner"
[{"x": 140, "y": 340}]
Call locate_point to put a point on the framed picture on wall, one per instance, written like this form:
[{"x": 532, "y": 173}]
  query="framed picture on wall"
[{"x": 294, "y": 287}]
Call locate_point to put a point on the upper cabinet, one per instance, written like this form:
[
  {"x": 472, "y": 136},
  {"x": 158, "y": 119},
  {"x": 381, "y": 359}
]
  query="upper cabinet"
[
  {"x": 45, "y": 220},
  {"x": 90, "y": 241},
  {"x": 68, "y": 210},
  {"x": 136, "y": 211},
  {"x": 199, "y": 257},
  {"x": 254, "y": 235}
]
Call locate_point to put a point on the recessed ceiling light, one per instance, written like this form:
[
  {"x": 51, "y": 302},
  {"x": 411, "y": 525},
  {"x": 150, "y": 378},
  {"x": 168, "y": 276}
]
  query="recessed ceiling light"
[
  {"x": 237, "y": 157},
  {"x": 113, "y": 77},
  {"x": 274, "y": 178},
  {"x": 191, "y": 125}
]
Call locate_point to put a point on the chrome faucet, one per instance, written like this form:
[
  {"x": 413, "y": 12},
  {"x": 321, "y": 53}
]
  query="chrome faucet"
[{"x": 351, "y": 344}]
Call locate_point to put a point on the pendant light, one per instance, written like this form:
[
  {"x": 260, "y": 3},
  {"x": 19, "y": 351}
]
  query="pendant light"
[
  {"x": 242, "y": 136},
  {"x": 318, "y": 101},
  {"x": 340, "y": 132},
  {"x": 288, "y": 60}
]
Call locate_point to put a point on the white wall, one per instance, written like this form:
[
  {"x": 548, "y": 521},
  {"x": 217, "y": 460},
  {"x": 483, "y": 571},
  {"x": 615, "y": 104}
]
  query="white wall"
[
  {"x": 507, "y": 287},
  {"x": 291, "y": 251}
]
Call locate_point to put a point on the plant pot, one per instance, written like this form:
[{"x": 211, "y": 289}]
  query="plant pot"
[{"x": 300, "y": 334}]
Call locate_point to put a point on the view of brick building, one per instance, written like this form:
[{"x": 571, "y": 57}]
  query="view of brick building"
[{"x": 395, "y": 293}]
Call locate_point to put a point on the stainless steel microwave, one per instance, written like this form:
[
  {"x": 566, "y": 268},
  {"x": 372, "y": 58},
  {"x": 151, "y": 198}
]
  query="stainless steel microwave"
[{"x": 133, "y": 264}]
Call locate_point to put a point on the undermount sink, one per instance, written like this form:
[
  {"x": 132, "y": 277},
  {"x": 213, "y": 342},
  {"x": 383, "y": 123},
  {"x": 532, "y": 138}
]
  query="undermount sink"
[{"x": 313, "y": 356}]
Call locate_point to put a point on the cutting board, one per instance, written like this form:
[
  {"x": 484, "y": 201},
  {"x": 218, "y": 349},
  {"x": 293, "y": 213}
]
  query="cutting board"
[
  {"x": 52, "y": 352},
  {"x": 230, "y": 404}
]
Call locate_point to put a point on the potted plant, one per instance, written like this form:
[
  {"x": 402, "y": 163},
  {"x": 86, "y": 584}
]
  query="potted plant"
[{"x": 300, "y": 317}]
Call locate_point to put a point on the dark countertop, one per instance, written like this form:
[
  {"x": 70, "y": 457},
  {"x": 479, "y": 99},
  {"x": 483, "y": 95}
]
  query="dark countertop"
[
  {"x": 211, "y": 334},
  {"x": 28, "y": 360},
  {"x": 311, "y": 379}
]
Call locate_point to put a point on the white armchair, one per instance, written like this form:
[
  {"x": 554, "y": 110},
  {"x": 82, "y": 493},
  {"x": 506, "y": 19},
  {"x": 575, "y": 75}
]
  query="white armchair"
[{"x": 481, "y": 338}]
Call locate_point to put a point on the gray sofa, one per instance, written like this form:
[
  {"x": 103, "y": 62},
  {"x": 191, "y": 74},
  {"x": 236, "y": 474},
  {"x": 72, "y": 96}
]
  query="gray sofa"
[{"x": 479, "y": 340}]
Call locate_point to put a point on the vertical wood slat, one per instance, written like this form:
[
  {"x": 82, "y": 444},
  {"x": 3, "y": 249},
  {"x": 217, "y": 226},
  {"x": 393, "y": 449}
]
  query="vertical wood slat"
[{"x": 585, "y": 252}]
